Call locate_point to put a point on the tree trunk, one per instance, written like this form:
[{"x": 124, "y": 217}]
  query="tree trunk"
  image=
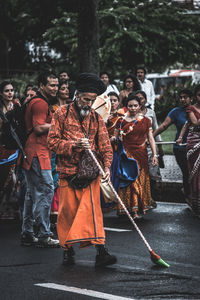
[{"x": 88, "y": 36}]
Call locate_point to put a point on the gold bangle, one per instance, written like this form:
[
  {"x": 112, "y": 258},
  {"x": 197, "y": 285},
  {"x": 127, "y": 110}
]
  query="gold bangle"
[{"x": 155, "y": 155}]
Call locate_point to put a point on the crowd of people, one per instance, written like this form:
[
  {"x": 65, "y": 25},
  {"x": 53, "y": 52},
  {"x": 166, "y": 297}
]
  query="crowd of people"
[{"x": 57, "y": 185}]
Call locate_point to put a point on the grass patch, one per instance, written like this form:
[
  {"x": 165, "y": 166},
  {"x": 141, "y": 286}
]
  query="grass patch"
[{"x": 168, "y": 135}]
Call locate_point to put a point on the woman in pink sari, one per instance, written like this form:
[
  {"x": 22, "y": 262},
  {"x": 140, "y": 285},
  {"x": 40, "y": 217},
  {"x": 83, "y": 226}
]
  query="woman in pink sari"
[{"x": 193, "y": 152}]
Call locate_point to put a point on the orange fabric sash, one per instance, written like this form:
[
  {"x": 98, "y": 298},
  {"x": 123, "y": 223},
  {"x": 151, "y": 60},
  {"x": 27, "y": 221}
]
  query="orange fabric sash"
[
  {"x": 135, "y": 141},
  {"x": 80, "y": 217}
]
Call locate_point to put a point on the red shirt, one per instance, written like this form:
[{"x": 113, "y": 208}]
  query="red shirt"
[{"x": 37, "y": 113}]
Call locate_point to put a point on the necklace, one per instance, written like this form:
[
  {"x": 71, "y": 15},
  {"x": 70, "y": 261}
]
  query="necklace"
[
  {"x": 129, "y": 119},
  {"x": 134, "y": 122}
]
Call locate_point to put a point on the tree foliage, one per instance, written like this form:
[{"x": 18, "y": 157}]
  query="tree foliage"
[
  {"x": 22, "y": 22},
  {"x": 156, "y": 33}
]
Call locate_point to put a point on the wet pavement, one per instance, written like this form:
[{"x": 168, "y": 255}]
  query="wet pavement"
[
  {"x": 170, "y": 188},
  {"x": 171, "y": 172},
  {"x": 171, "y": 230}
]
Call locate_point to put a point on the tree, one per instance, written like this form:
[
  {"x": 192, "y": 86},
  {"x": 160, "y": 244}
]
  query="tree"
[
  {"x": 157, "y": 34},
  {"x": 88, "y": 36},
  {"x": 75, "y": 35},
  {"x": 24, "y": 22}
]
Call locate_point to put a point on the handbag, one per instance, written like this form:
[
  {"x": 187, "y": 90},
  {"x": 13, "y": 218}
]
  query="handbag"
[
  {"x": 161, "y": 162},
  {"x": 87, "y": 172},
  {"x": 108, "y": 194},
  {"x": 154, "y": 171},
  {"x": 128, "y": 170},
  {"x": 87, "y": 168}
]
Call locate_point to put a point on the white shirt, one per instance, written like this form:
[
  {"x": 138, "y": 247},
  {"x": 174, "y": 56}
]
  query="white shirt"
[
  {"x": 152, "y": 116},
  {"x": 112, "y": 88},
  {"x": 147, "y": 87}
]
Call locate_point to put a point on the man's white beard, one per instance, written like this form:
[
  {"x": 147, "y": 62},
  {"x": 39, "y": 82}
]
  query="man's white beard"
[{"x": 84, "y": 113}]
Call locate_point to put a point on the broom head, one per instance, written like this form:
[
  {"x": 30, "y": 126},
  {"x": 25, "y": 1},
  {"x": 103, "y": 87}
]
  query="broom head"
[{"x": 156, "y": 259}]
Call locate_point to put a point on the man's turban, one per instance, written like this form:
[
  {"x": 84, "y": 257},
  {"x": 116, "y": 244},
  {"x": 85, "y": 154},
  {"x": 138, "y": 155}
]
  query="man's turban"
[{"x": 90, "y": 83}]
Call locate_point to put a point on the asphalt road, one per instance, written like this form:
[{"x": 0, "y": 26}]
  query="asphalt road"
[{"x": 171, "y": 230}]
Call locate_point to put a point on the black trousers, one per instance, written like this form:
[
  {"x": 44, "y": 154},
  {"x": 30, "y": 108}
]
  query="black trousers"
[{"x": 181, "y": 158}]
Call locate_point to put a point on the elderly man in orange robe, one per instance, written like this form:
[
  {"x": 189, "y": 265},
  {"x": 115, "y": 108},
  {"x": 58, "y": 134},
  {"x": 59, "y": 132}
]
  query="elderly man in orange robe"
[{"x": 75, "y": 129}]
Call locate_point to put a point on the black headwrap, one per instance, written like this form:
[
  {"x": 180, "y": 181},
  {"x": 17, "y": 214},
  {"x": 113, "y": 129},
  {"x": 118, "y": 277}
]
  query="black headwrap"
[{"x": 90, "y": 83}]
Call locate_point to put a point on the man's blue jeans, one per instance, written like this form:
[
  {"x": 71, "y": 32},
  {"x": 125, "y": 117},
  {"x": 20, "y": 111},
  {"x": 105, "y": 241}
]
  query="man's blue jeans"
[{"x": 37, "y": 205}]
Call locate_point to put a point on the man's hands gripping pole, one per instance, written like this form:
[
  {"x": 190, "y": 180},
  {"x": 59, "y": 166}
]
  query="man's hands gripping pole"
[{"x": 85, "y": 144}]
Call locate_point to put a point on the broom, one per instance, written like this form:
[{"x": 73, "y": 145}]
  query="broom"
[{"x": 156, "y": 259}]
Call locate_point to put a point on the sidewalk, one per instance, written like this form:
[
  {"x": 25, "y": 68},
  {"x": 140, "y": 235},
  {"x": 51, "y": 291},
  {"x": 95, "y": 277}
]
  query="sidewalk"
[
  {"x": 171, "y": 172},
  {"x": 169, "y": 189}
]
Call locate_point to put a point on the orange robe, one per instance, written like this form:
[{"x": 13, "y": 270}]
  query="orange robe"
[{"x": 80, "y": 217}]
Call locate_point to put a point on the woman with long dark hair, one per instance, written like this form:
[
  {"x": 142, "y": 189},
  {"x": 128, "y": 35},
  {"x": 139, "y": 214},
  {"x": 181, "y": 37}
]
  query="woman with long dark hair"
[
  {"x": 177, "y": 116},
  {"x": 6, "y": 168},
  {"x": 131, "y": 84},
  {"x": 193, "y": 152}
]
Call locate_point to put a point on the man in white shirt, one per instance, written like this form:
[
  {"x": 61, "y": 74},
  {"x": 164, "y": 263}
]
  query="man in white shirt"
[{"x": 146, "y": 86}]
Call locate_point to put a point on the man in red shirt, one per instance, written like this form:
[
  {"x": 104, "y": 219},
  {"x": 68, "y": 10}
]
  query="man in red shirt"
[
  {"x": 73, "y": 129},
  {"x": 40, "y": 188}
]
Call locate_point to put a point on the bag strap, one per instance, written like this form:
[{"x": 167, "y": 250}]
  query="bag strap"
[
  {"x": 83, "y": 129},
  {"x": 40, "y": 96},
  {"x": 3, "y": 116},
  {"x": 96, "y": 136},
  {"x": 68, "y": 106},
  {"x": 96, "y": 116}
]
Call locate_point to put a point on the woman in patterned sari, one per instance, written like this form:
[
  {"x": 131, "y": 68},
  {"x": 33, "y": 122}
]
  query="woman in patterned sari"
[
  {"x": 135, "y": 130},
  {"x": 193, "y": 152},
  {"x": 110, "y": 125},
  {"x": 62, "y": 99},
  {"x": 7, "y": 170}
]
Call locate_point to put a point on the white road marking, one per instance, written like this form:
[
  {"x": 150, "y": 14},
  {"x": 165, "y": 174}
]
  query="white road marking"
[
  {"x": 170, "y": 203},
  {"x": 116, "y": 229},
  {"x": 85, "y": 292}
]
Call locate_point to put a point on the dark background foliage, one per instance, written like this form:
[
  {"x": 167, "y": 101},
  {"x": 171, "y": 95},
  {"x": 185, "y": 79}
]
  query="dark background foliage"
[
  {"x": 97, "y": 35},
  {"x": 158, "y": 34}
]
